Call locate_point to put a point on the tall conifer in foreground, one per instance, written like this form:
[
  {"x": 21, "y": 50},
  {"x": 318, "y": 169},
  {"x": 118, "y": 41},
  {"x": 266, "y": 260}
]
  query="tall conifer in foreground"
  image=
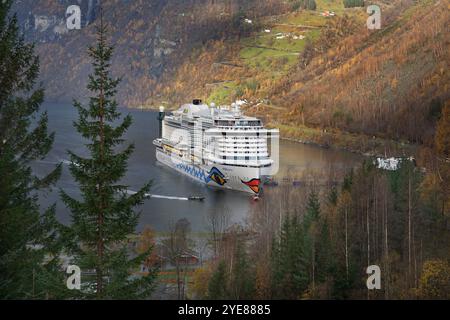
[
  {"x": 104, "y": 217},
  {"x": 28, "y": 252}
]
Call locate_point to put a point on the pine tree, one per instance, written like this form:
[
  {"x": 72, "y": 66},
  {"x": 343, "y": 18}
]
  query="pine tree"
[
  {"x": 312, "y": 210},
  {"x": 217, "y": 288},
  {"x": 353, "y": 3},
  {"x": 289, "y": 266},
  {"x": 243, "y": 279},
  {"x": 403, "y": 185},
  {"x": 104, "y": 216},
  {"x": 28, "y": 248},
  {"x": 311, "y": 5},
  {"x": 311, "y": 234},
  {"x": 325, "y": 256}
]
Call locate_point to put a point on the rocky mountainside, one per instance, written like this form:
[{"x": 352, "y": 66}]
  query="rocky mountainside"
[
  {"x": 151, "y": 38},
  {"x": 322, "y": 76},
  {"x": 318, "y": 75}
]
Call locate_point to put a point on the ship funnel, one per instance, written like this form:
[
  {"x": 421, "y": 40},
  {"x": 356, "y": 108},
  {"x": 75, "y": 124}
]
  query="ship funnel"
[
  {"x": 161, "y": 116},
  {"x": 212, "y": 109}
]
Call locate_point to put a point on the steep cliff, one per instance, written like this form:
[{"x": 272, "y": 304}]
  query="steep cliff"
[
  {"x": 298, "y": 69},
  {"x": 151, "y": 38}
]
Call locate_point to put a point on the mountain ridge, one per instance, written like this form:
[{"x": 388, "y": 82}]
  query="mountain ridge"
[
  {"x": 150, "y": 38},
  {"x": 313, "y": 75}
]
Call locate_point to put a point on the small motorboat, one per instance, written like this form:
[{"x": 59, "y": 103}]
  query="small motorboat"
[{"x": 196, "y": 198}]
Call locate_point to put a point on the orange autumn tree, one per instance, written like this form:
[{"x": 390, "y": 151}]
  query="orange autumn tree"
[
  {"x": 435, "y": 280},
  {"x": 147, "y": 241}
]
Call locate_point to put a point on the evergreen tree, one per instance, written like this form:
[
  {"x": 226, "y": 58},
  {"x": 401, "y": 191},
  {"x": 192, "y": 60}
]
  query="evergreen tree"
[
  {"x": 325, "y": 262},
  {"x": 305, "y": 4},
  {"x": 289, "y": 266},
  {"x": 243, "y": 279},
  {"x": 217, "y": 288},
  {"x": 239, "y": 25},
  {"x": 28, "y": 248},
  {"x": 348, "y": 181},
  {"x": 312, "y": 210},
  {"x": 403, "y": 185},
  {"x": 333, "y": 196},
  {"x": 104, "y": 216},
  {"x": 353, "y": 3},
  {"x": 344, "y": 268},
  {"x": 311, "y": 5},
  {"x": 311, "y": 231}
]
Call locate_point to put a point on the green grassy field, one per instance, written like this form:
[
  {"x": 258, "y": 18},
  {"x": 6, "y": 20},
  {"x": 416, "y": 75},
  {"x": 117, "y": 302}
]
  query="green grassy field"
[{"x": 272, "y": 54}]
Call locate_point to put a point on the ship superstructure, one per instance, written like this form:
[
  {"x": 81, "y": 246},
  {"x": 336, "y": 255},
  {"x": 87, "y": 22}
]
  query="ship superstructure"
[{"x": 217, "y": 146}]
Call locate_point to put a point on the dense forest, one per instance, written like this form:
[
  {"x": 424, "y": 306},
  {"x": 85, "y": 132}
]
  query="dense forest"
[
  {"x": 152, "y": 39},
  {"x": 389, "y": 83},
  {"x": 304, "y": 66},
  {"x": 331, "y": 81},
  {"x": 316, "y": 243}
]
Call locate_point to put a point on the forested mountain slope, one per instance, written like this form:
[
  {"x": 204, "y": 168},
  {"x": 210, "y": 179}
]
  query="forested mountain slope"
[
  {"x": 313, "y": 73},
  {"x": 151, "y": 38},
  {"x": 302, "y": 71},
  {"x": 390, "y": 83}
]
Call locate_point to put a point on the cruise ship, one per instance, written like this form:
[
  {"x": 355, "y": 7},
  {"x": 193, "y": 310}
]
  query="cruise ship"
[{"x": 217, "y": 146}]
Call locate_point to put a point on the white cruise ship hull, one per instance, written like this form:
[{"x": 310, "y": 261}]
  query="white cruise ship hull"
[
  {"x": 219, "y": 147},
  {"x": 246, "y": 179}
]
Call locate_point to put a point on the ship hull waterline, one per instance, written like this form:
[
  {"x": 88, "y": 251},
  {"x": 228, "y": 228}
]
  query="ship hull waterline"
[{"x": 243, "y": 179}]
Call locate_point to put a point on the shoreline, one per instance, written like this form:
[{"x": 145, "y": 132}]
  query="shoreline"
[
  {"x": 335, "y": 139},
  {"x": 347, "y": 142}
]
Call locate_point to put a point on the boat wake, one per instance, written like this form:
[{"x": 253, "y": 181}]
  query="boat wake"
[{"x": 157, "y": 196}]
